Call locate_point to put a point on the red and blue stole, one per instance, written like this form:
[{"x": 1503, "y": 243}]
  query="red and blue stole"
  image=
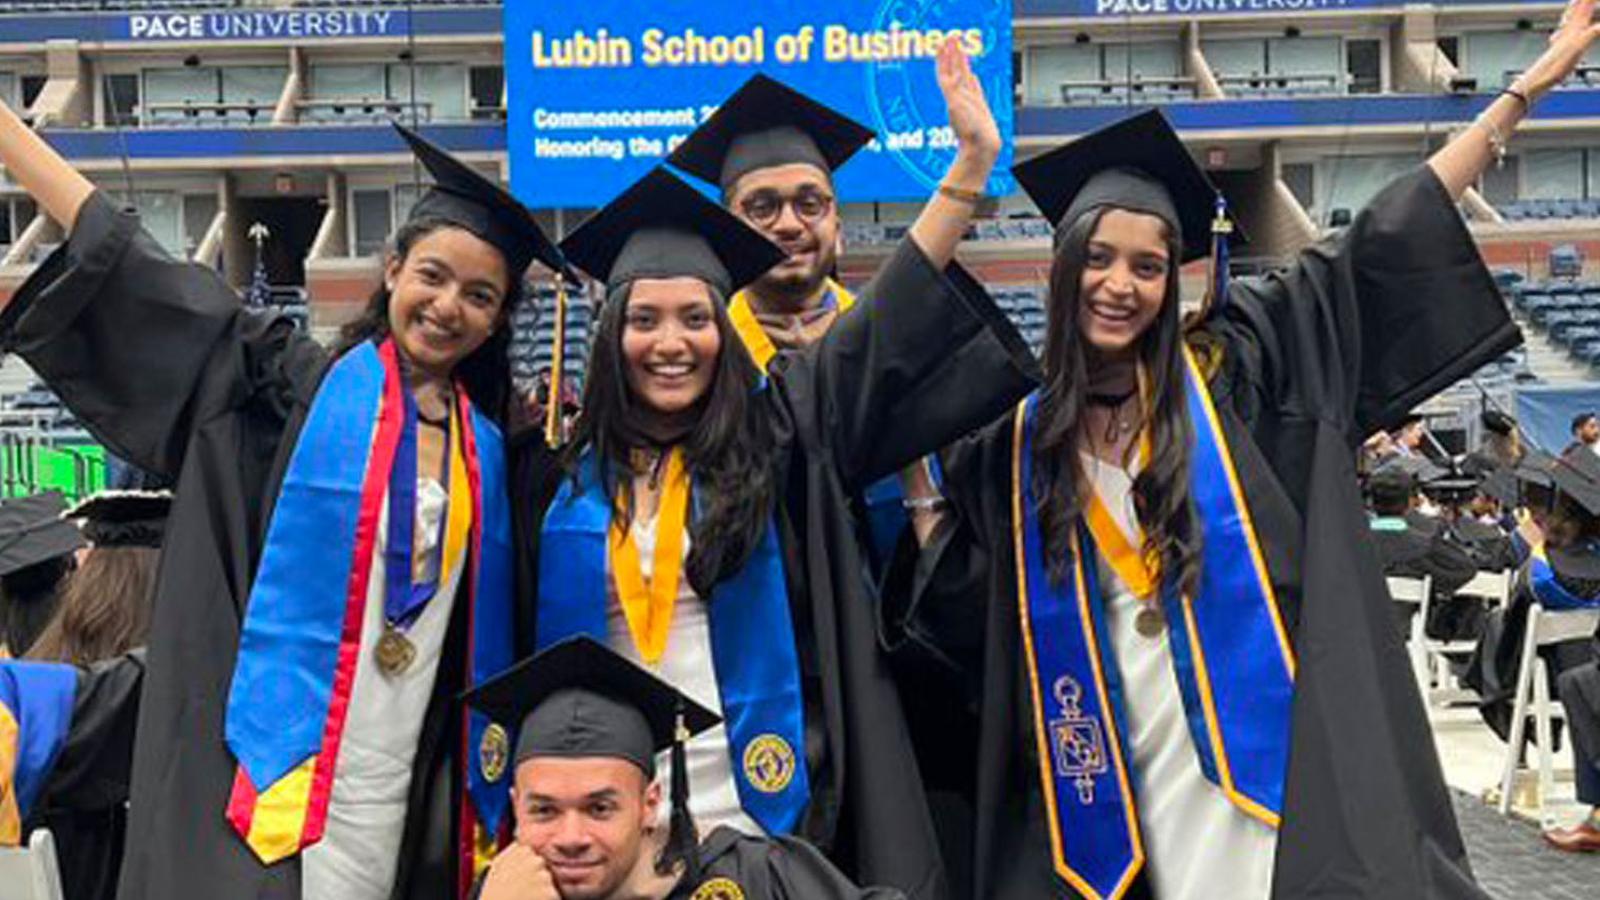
[
  {"x": 1231, "y": 657},
  {"x": 35, "y": 714},
  {"x": 1548, "y": 591},
  {"x": 302, "y": 629},
  {"x": 752, "y": 644}
]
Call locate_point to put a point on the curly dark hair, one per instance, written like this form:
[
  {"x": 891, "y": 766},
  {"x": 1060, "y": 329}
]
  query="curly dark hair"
[
  {"x": 1161, "y": 495},
  {"x": 727, "y": 451},
  {"x": 486, "y": 372}
]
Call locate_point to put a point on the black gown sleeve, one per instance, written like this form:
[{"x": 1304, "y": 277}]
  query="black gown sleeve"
[
  {"x": 923, "y": 357},
  {"x": 144, "y": 348},
  {"x": 95, "y": 764},
  {"x": 1368, "y": 324},
  {"x": 798, "y": 871}
]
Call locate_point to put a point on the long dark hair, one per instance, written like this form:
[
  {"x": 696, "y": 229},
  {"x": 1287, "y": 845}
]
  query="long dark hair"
[
  {"x": 1161, "y": 489},
  {"x": 104, "y": 609},
  {"x": 486, "y": 372},
  {"x": 728, "y": 450},
  {"x": 28, "y": 600}
]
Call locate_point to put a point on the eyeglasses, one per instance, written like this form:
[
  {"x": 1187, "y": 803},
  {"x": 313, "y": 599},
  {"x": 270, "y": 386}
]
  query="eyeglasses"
[{"x": 764, "y": 207}]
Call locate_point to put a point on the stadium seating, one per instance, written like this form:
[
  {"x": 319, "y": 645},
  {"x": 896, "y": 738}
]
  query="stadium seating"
[{"x": 1533, "y": 210}]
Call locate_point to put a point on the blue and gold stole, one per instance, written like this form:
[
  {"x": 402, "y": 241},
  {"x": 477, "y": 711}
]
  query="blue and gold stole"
[
  {"x": 1231, "y": 656},
  {"x": 752, "y": 644},
  {"x": 35, "y": 714},
  {"x": 1549, "y": 592},
  {"x": 302, "y": 630}
]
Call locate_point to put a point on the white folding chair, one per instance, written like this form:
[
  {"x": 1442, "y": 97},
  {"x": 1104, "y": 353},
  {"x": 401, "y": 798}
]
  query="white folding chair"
[
  {"x": 1532, "y": 696},
  {"x": 30, "y": 873},
  {"x": 1493, "y": 589},
  {"x": 1408, "y": 589}
]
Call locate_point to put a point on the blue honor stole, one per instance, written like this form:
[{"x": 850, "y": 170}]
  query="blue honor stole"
[
  {"x": 1231, "y": 657},
  {"x": 301, "y": 636},
  {"x": 1547, "y": 590},
  {"x": 36, "y": 700},
  {"x": 752, "y": 644}
]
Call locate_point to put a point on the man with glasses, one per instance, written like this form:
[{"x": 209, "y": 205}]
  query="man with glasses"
[{"x": 773, "y": 152}]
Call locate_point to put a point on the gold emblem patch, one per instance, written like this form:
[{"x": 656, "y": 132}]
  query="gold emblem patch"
[
  {"x": 769, "y": 763},
  {"x": 718, "y": 889},
  {"x": 493, "y": 752}
]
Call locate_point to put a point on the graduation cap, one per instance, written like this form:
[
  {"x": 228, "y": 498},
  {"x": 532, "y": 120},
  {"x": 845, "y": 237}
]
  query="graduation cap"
[
  {"x": 123, "y": 518},
  {"x": 32, "y": 531},
  {"x": 1137, "y": 164},
  {"x": 579, "y": 699},
  {"x": 1500, "y": 486},
  {"x": 1418, "y": 469},
  {"x": 463, "y": 197},
  {"x": 767, "y": 123},
  {"x": 663, "y": 228},
  {"x": 1497, "y": 422}
]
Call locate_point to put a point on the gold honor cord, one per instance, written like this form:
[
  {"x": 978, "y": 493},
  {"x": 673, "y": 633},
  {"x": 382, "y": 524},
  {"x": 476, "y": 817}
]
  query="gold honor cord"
[
  {"x": 553, "y": 436},
  {"x": 648, "y": 607}
]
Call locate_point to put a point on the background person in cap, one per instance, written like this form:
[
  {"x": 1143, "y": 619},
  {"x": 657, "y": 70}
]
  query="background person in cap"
[
  {"x": 1240, "y": 452},
  {"x": 1501, "y": 445},
  {"x": 263, "y": 644},
  {"x": 37, "y": 551},
  {"x": 1407, "y": 551},
  {"x": 1562, "y": 532},
  {"x": 701, "y": 521},
  {"x": 1585, "y": 434},
  {"x": 105, "y": 603},
  {"x": 590, "y": 726},
  {"x": 1410, "y": 439}
]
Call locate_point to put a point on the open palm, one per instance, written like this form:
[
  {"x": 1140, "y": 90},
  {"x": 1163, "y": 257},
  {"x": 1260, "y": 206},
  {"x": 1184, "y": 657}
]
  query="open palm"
[{"x": 970, "y": 117}]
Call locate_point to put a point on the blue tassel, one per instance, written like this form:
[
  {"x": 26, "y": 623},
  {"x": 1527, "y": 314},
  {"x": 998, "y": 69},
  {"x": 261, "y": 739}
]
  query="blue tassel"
[{"x": 1221, "y": 227}]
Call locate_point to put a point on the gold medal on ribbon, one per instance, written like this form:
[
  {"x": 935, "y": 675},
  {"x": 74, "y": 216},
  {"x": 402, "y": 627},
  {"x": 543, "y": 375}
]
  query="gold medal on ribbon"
[
  {"x": 395, "y": 652},
  {"x": 648, "y": 607},
  {"x": 1149, "y": 621}
]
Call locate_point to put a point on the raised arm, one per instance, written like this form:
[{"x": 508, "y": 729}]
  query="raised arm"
[
  {"x": 942, "y": 222},
  {"x": 59, "y": 188},
  {"x": 1460, "y": 162}
]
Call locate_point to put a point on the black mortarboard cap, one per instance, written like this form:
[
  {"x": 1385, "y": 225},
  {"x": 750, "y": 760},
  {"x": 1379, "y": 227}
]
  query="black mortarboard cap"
[
  {"x": 1577, "y": 475},
  {"x": 767, "y": 123},
  {"x": 1138, "y": 164},
  {"x": 578, "y": 698},
  {"x": 1501, "y": 486},
  {"x": 663, "y": 228},
  {"x": 462, "y": 196},
  {"x": 32, "y": 531},
  {"x": 1419, "y": 469},
  {"x": 123, "y": 518},
  {"x": 1497, "y": 422}
]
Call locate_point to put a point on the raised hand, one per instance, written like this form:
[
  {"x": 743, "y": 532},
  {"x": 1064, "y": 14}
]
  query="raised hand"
[
  {"x": 970, "y": 117},
  {"x": 1571, "y": 40}
]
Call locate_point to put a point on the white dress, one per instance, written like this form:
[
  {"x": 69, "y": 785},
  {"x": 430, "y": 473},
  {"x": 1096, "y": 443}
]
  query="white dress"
[
  {"x": 360, "y": 849},
  {"x": 1198, "y": 845},
  {"x": 688, "y": 666}
]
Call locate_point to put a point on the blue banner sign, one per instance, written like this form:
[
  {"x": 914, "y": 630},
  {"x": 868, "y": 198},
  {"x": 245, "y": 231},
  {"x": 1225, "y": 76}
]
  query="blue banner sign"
[{"x": 601, "y": 91}]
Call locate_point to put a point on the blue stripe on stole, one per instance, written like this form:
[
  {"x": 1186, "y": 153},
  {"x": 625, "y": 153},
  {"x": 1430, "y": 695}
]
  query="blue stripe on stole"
[
  {"x": 1549, "y": 592},
  {"x": 289, "y": 644},
  {"x": 494, "y": 630},
  {"x": 752, "y": 644},
  {"x": 1087, "y": 782},
  {"x": 39, "y": 697}
]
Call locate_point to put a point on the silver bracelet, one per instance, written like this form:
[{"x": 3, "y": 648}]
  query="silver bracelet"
[{"x": 924, "y": 504}]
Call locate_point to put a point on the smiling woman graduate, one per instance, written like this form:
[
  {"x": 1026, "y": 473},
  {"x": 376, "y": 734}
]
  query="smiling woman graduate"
[
  {"x": 701, "y": 521},
  {"x": 337, "y": 559},
  {"x": 1189, "y": 681}
]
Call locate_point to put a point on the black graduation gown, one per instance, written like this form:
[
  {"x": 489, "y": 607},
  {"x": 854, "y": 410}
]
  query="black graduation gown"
[
  {"x": 763, "y": 869},
  {"x": 1346, "y": 341},
  {"x": 166, "y": 368},
  {"x": 85, "y": 798},
  {"x": 1492, "y": 670},
  {"x": 923, "y": 358}
]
